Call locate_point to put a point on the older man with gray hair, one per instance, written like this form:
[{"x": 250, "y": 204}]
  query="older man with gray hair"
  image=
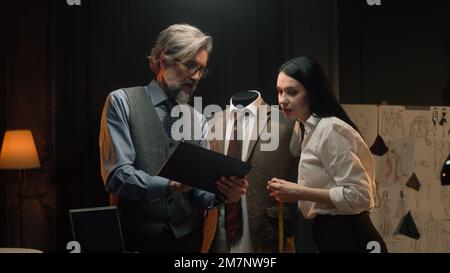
[{"x": 159, "y": 215}]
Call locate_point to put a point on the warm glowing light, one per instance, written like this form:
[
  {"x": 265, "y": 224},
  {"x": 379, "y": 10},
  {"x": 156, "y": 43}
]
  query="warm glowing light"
[{"x": 19, "y": 151}]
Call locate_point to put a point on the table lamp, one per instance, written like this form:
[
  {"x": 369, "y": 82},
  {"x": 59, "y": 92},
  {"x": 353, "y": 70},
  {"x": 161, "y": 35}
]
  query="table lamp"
[{"x": 19, "y": 153}]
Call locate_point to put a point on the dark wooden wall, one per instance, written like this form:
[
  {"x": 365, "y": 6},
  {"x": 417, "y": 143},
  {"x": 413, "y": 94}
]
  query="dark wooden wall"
[
  {"x": 3, "y": 64},
  {"x": 398, "y": 52},
  {"x": 28, "y": 103}
]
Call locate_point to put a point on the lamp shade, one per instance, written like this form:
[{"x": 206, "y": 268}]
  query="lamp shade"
[{"x": 19, "y": 151}]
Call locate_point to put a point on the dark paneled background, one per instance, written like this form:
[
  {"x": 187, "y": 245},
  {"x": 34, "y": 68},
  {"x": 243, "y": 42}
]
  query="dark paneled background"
[
  {"x": 59, "y": 62},
  {"x": 28, "y": 103},
  {"x": 3, "y": 63},
  {"x": 399, "y": 52}
]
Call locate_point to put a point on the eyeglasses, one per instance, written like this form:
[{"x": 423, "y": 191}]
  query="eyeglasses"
[{"x": 192, "y": 68}]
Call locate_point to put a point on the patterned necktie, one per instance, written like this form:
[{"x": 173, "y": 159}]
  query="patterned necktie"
[
  {"x": 168, "y": 121},
  {"x": 233, "y": 211}
]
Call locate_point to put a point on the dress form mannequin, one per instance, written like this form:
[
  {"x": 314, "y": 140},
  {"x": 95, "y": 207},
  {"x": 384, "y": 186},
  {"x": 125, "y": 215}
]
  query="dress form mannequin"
[
  {"x": 244, "y": 98},
  {"x": 260, "y": 225}
]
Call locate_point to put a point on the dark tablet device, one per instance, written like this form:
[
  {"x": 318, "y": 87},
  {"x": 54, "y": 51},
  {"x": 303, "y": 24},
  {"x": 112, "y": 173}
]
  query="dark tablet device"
[{"x": 201, "y": 168}]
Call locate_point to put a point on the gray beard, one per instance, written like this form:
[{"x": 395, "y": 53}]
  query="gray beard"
[
  {"x": 183, "y": 97},
  {"x": 180, "y": 96}
]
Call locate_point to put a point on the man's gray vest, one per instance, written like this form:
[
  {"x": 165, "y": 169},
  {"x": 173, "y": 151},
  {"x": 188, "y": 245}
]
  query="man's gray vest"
[{"x": 153, "y": 147}]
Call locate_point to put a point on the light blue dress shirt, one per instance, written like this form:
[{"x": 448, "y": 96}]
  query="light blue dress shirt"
[{"x": 117, "y": 153}]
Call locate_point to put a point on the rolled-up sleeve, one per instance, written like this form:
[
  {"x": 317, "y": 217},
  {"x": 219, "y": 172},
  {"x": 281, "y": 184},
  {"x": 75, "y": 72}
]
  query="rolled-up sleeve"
[
  {"x": 117, "y": 155},
  {"x": 339, "y": 154}
]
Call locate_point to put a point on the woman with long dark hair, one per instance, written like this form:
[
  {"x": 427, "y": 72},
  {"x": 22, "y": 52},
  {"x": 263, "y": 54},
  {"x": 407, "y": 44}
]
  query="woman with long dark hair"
[{"x": 336, "y": 179}]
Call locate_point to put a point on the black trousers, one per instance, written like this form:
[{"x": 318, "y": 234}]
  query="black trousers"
[
  {"x": 346, "y": 233},
  {"x": 165, "y": 242}
]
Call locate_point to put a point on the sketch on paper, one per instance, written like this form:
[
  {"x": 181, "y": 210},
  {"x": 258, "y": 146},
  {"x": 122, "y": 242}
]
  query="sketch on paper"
[
  {"x": 391, "y": 121},
  {"x": 392, "y": 161},
  {"x": 365, "y": 117},
  {"x": 445, "y": 200},
  {"x": 416, "y": 245},
  {"x": 435, "y": 118},
  {"x": 422, "y": 138},
  {"x": 362, "y": 122},
  {"x": 401, "y": 207},
  {"x": 398, "y": 163},
  {"x": 385, "y": 222},
  {"x": 420, "y": 127},
  {"x": 418, "y": 198},
  {"x": 392, "y": 245},
  {"x": 427, "y": 187},
  {"x": 439, "y": 118},
  {"x": 443, "y": 122},
  {"x": 423, "y": 163},
  {"x": 431, "y": 230},
  {"x": 406, "y": 150},
  {"x": 446, "y": 236},
  {"x": 441, "y": 151}
]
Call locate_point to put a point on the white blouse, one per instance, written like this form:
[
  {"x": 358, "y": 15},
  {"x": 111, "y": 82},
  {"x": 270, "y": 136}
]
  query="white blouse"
[{"x": 335, "y": 157}]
